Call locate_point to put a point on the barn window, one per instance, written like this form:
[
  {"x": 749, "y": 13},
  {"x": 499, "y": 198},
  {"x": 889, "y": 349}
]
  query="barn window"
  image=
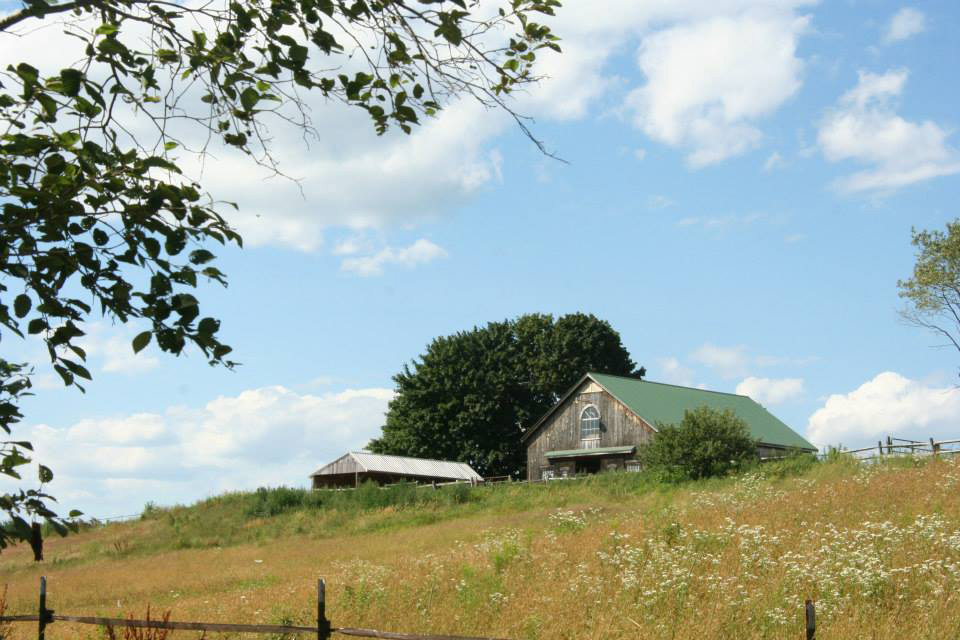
[
  {"x": 590, "y": 423},
  {"x": 633, "y": 465}
]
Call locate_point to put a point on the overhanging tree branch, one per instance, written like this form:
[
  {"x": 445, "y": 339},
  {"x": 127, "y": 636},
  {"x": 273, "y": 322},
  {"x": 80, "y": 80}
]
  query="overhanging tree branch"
[{"x": 91, "y": 204}]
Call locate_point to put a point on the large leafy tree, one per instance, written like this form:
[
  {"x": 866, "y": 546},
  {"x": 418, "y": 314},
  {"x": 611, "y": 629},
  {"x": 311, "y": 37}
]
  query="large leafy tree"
[
  {"x": 933, "y": 291},
  {"x": 471, "y": 395},
  {"x": 99, "y": 216}
]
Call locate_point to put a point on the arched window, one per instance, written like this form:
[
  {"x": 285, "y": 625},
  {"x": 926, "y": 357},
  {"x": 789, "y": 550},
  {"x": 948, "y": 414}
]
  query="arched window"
[{"x": 590, "y": 423}]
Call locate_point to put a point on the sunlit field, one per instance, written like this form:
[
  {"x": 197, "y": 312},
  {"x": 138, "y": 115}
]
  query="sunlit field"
[{"x": 616, "y": 556}]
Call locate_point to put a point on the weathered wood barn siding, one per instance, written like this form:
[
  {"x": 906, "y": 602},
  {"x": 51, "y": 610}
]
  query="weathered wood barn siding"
[
  {"x": 343, "y": 464},
  {"x": 618, "y": 427}
]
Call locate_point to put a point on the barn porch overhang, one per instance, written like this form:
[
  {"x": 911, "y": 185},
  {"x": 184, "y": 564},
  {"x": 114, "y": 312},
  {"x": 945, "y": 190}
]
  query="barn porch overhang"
[{"x": 591, "y": 453}]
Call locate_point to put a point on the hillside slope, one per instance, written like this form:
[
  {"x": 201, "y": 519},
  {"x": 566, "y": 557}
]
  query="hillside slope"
[{"x": 877, "y": 547}]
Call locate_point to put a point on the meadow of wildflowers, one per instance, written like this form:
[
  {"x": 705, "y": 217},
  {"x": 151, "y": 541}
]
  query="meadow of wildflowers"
[{"x": 876, "y": 547}]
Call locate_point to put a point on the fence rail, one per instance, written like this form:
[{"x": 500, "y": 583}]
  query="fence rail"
[
  {"x": 45, "y": 617},
  {"x": 891, "y": 448},
  {"x": 323, "y": 630}
]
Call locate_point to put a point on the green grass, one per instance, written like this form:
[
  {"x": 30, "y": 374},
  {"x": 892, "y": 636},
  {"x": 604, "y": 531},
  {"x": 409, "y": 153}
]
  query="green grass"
[{"x": 267, "y": 514}]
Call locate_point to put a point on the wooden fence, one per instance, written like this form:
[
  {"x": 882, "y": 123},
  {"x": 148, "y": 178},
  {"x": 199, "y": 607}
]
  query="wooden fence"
[
  {"x": 901, "y": 446},
  {"x": 323, "y": 630},
  {"x": 892, "y": 447}
]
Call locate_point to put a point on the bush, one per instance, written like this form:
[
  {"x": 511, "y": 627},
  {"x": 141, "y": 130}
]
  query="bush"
[
  {"x": 705, "y": 443},
  {"x": 271, "y": 502},
  {"x": 795, "y": 463}
]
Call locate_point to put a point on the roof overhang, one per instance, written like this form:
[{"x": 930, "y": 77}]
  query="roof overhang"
[
  {"x": 786, "y": 447},
  {"x": 597, "y": 452}
]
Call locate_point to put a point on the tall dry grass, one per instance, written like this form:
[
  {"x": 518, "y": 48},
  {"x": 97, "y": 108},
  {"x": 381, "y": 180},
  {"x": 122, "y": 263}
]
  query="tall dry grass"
[{"x": 877, "y": 548}]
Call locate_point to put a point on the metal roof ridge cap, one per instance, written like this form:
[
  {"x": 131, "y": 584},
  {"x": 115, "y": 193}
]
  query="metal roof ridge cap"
[
  {"x": 678, "y": 386},
  {"x": 353, "y": 454},
  {"x": 390, "y": 455}
]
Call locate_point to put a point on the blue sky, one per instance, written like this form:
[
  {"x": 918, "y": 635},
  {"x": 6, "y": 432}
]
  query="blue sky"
[{"x": 741, "y": 183}]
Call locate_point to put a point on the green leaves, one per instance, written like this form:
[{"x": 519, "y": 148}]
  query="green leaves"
[
  {"x": 470, "y": 395},
  {"x": 249, "y": 98},
  {"x": 933, "y": 291},
  {"x": 106, "y": 29},
  {"x": 141, "y": 341},
  {"x": 706, "y": 443},
  {"x": 21, "y": 305},
  {"x": 70, "y": 82},
  {"x": 97, "y": 219}
]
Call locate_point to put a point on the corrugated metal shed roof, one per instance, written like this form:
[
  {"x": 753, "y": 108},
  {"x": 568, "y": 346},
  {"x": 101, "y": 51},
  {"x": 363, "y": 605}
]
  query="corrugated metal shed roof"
[{"x": 379, "y": 463}]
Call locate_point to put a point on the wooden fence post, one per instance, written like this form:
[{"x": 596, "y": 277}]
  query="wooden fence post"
[
  {"x": 880, "y": 446},
  {"x": 45, "y": 615},
  {"x": 811, "y": 618},
  {"x": 935, "y": 448},
  {"x": 323, "y": 625}
]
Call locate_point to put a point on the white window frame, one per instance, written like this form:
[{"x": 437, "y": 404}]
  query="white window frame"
[{"x": 592, "y": 439}]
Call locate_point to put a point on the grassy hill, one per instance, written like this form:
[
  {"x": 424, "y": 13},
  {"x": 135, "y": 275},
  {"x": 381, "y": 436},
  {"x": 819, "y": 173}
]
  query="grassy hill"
[{"x": 611, "y": 556}]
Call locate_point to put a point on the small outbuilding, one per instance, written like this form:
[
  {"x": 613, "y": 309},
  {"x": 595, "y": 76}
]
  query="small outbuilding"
[{"x": 359, "y": 466}]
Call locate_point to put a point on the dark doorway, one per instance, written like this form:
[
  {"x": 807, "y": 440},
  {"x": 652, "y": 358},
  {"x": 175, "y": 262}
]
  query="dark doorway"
[{"x": 588, "y": 465}]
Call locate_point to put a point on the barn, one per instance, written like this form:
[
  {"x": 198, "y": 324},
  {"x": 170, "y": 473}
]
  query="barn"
[
  {"x": 356, "y": 467},
  {"x": 600, "y": 422}
]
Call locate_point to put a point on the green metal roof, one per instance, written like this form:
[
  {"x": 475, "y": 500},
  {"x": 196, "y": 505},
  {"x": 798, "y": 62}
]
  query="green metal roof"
[
  {"x": 586, "y": 453},
  {"x": 659, "y": 403}
]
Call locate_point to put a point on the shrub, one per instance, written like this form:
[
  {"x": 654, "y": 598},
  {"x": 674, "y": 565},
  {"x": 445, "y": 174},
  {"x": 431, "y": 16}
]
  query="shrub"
[
  {"x": 705, "y": 443},
  {"x": 795, "y": 463},
  {"x": 267, "y": 502}
]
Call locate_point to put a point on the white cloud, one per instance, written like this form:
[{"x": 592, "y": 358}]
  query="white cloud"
[
  {"x": 730, "y": 362},
  {"x": 708, "y": 223},
  {"x": 265, "y": 436},
  {"x": 710, "y": 80},
  {"x": 348, "y": 247},
  {"x": 904, "y": 24},
  {"x": 864, "y": 127},
  {"x": 737, "y": 362},
  {"x": 351, "y": 178},
  {"x": 774, "y": 161},
  {"x": 771, "y": 391},
  {"x": 659, "y": 202},
  {"x": 639, "y": 154},
  {"x": 420, "y": 252},
  {"x": 111, "y": 348},
  {"x": 889, "y": 404},
  {"x": 672, "y": 372},
  {"x": 355, "y": 179}
]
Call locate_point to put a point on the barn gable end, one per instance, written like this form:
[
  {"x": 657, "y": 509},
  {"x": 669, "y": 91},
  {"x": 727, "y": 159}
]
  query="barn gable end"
[{"x": 558, "y": 445}]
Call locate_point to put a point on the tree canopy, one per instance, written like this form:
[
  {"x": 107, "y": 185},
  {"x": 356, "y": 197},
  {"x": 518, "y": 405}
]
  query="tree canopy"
[
  {"x": 471, "y": 395},
  {"x": 705, "y": 443},
  {"x": 933, "y": 291},
  {"x": 99, "y": 216}
]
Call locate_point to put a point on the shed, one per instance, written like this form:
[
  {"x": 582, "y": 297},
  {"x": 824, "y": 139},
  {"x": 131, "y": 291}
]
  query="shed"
[{"x": 355, "y": 467}]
